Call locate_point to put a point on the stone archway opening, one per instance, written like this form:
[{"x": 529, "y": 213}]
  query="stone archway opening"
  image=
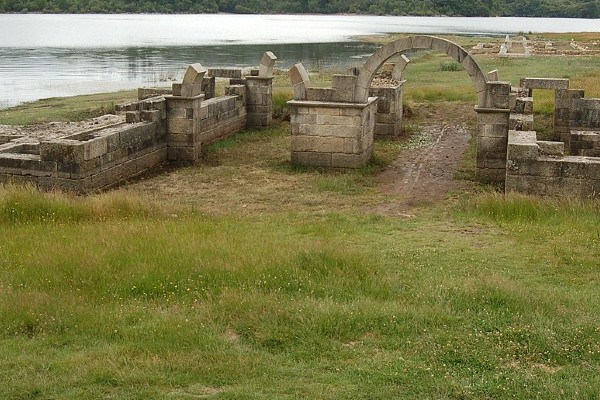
[{"x": 383, "y": 54}]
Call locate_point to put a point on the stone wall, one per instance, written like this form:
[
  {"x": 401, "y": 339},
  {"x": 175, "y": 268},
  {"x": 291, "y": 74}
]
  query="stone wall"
[
  {"x": 167, "y": 128},
  {"x": 540, "y": 168}
]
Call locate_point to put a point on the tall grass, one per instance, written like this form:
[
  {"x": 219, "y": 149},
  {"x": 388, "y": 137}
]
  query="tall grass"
[
  {"x": 27, "y": 204},
  {"x": 274, "y": 307}
]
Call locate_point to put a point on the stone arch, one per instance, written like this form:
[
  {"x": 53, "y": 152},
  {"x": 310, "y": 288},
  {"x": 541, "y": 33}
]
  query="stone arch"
[{"x": 367, "y": 73}]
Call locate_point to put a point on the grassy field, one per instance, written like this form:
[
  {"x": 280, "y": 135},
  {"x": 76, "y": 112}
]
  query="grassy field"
[{"x": 265, "y": 281}]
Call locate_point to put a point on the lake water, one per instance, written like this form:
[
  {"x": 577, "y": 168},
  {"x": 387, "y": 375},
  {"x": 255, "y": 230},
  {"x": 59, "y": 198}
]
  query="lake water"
[{"x": 62, "y": 55}]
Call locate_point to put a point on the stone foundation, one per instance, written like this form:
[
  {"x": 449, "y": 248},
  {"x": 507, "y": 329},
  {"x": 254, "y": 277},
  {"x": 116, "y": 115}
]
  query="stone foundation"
[
  {"x": 90, "y": 160},
  {"x": 540, "y": 168}
]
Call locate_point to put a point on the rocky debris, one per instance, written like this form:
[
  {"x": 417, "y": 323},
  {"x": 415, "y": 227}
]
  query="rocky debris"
[
  {"x": 384, "y": 82},
  {"x": 53, "y": 130}
]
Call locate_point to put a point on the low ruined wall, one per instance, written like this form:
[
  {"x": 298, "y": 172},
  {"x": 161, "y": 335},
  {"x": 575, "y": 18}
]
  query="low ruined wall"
[
  {"x": 162, "y": 126},
  {"x": 90, "y": 160},
  {"x": 585, "y": 143},
  {"x": 222, "y": 116},
  {"x": 540, "y": 168},
  {"x": 194, "y": 122}
]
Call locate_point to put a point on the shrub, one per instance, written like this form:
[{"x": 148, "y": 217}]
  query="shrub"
[{"x": 450, "y": 66}]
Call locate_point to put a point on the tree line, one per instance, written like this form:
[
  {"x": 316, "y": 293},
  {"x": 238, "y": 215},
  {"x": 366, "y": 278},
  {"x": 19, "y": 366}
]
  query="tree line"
[{"x": 466, "y": 8}]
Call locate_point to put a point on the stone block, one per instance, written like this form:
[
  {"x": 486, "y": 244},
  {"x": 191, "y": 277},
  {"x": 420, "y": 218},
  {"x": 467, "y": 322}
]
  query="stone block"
[
  {"x": 338, "y": 120},
  {"x": 493, "y": 76},
  {"x": 523, "y": 105},
  {"x": 343, "y": 87},
  {"x": 94, "y": 148},
  {"x": 176, "y": 89},
  {"x": 388, "y": 118},
  {"x": 317, "y": 144},
  {"x": 132, "y": 117},
  {"x": 517, "y": 151},
  {"x": 544, "y": 83},
  {"x": 491, "y": 145},
  {"x": 564, "y": 97},
  {"x": 340, "y": 160},
  {"x": 491, "y": 175},
  {"x": 320, "y": 94},
  {"x": 494, "y": 131},
  {"x": 521, "y": 122},
  {"x": 399, "y": 67},
  {"x": 456, "y": 52},
  {"x": 63, "y": 150},
  {"x": 303, "y": 119},
  {"x": 179, "y": 125},
  {"x": 267, "y": 62},
  {"x": 194, "y": 74},
  {"x": 555, "y": 149},
  {"x": 191, "y": 89},
  {"x": 311, "y": 159},
  {"x": 230, "y": 73},
  {"x": 422, "y": 42},
  {"x": 497, "y": 95},
  {"x": 385, "y": 129},
  {"x": 151, "y": 116}
]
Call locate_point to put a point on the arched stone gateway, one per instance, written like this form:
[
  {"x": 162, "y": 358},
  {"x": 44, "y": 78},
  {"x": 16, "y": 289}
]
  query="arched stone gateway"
[
  {"x": 334, "y": 127},
  {"x": 367, "y": 73}
]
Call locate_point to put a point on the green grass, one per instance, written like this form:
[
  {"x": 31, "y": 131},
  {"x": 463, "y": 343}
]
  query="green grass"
[
  {"x": 65, "y": 108},
  {"x": 491, "y": 298},
  {"x": 246, "y": 278}
]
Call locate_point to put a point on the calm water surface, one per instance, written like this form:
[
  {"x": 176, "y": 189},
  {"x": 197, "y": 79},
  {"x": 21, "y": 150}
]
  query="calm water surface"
[{"x": 60, "y": 55}]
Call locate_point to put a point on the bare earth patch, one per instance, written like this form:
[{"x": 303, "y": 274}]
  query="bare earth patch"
[{"x": 425, "y": 174}]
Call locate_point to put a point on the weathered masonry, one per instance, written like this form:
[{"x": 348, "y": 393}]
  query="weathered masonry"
[
  {"x": 567, "y": 167},
  {"x": 160, "y": 128},
  {"x": 335, "y": 127}
]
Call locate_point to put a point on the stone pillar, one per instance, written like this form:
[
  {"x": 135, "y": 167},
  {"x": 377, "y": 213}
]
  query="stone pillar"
[
  {"x": 332, "y": 134},
  {"x": 388, "y": 120},
  {"x": 563, "y": 104},
  {"x": 259, "y": 101},
  {"x": 493, "y": 121},
  {"x": 209, "y": 87},
  {"x": 183, "y": 119}
]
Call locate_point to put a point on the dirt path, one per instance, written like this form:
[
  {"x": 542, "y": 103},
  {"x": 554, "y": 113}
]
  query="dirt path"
[{"x": 425, "y": 175}]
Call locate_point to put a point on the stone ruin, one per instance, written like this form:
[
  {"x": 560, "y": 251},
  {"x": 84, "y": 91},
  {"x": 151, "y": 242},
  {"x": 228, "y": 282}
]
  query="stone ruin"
[
  {"x": 568, "y": 166},
  {"x": 335, "y": 127},
  {"x": 330, "y": 127},
  {"x": 162, "y": 127}
]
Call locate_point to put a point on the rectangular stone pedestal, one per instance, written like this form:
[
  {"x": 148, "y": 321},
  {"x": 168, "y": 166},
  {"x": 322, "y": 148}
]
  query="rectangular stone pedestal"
[
  {"x": 388, "y": 120},
  {"x": 330, "y": 134}
]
